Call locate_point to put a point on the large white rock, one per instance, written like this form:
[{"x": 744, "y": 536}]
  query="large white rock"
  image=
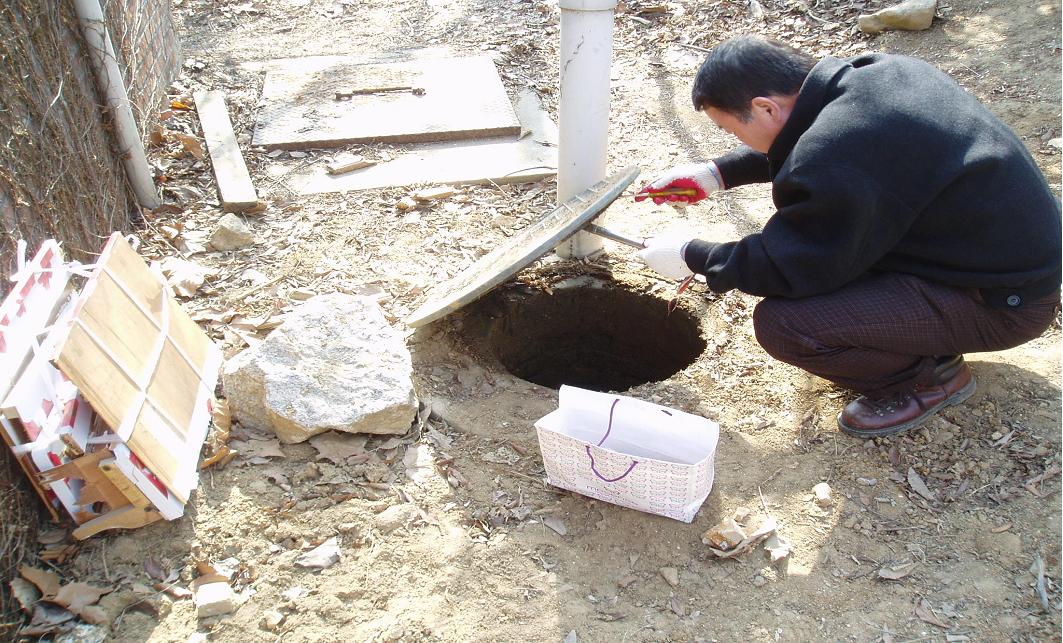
[
  {"x": 334, "y": 364},
  {"x": 911, "y": 15}
]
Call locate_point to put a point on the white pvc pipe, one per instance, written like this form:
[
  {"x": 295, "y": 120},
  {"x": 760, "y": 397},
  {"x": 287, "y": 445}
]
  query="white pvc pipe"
[
  {"x": 109, "y": 78},
  {"x": 583, "y": 127}
]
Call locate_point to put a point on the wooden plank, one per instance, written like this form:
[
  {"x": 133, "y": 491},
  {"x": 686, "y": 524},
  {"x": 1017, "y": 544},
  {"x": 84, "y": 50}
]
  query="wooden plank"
[
  {"x": 462, "y": 98},
  {"x": 128, "y": 517},
  {"x": 477, "y": 161},
  {"x": 234, "y": 183},
  {"x": 124, "y": 484}
]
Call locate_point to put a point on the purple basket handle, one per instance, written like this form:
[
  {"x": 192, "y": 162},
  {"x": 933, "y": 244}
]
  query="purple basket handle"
[
  {"x": 594, "y": 468},
  {"x": 609, "y": 428}
]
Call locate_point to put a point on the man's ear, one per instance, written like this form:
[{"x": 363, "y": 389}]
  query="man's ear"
[{"x": 767, "y": 106}]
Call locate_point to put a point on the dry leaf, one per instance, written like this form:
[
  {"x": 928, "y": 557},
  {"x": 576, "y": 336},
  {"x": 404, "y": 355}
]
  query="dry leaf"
[
  {"x": 556, "y": 525},
  {"x": 191, "y": 144},
  {"x": 25, "y": 592},
  {"x": 918, "y": 486},
  {"x": 77, "y": 596},
  {"x": 154, "y": 569},
  {"x": 926, "y": 613},
  {"x": 896, "y": 572},
  {"x": 337, "y": 447},
  {"x": 46, "y": 617},
  {"x": 676, "y": 606},
  {"x": 257, "y": 448},
  {"x": 277, "y": 477},
  {"x": 52, "y": 536},
  {"x": 45, "y": 581}
]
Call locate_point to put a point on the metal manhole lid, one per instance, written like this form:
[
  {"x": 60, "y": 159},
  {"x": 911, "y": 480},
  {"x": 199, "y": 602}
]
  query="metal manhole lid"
[{"x": 521, "y": 250}]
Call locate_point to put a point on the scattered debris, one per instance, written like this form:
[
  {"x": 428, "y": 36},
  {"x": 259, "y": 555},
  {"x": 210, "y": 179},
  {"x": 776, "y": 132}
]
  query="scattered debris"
[
  {"x": 725, "y": 536},
  {"x": 418, "y": 463},
  {"x": 766, "y": 528},
  {"x": 742, "y": 514},
  {"x": 777, "y": 547},
  {"x": 185, "y": 277},
  {"x": 93, "y": 450}
]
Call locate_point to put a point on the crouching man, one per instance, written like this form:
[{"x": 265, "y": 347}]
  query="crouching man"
[{"x": 912, "y": 226}]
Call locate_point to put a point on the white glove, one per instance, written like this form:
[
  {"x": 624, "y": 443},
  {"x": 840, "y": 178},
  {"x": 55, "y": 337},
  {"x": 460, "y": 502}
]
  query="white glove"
[
  {"x": 664, "y": 254},
  {"x": 701, "y": 178}
]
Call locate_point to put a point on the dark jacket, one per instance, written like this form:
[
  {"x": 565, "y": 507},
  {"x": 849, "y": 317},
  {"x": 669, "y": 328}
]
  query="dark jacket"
[{"x": 886, "y": 164}]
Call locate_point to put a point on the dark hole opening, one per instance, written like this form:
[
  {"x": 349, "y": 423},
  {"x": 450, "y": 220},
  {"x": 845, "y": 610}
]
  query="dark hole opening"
[{"x": 597, "y": 338}]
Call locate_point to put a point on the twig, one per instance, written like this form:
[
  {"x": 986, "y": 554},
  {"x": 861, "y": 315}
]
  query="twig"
[
  {"x": 103, "y": 559},
  {"x": 694, "y": 47},
  {"x": 1042, "y": 591},
  {"x": 763, "y": 503},
  {"x": 771, "y": 477}
]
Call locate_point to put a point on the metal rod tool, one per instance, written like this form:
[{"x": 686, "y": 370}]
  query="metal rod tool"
[{"x": 615, "y": 236}]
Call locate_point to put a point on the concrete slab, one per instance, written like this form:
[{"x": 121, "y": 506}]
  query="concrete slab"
[
  {"x": 415, "y": 101},
  {"x": 532, "y": 156}
]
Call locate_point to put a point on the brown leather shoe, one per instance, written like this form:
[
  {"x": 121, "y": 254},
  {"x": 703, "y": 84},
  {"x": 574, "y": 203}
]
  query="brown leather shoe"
[{"x": 873, "y": 416}]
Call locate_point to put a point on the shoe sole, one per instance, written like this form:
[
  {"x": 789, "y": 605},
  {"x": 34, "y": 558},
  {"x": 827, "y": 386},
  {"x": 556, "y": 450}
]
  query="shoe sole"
[{"x": 959, "y": 397}]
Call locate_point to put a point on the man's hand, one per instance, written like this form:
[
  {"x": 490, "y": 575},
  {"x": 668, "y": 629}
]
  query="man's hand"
[
  {"x": 701, "y": 178},
  {"x": 664, "y": 254}
]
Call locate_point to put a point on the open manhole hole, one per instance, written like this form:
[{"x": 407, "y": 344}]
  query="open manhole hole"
[{"x": 596, "y": 335}]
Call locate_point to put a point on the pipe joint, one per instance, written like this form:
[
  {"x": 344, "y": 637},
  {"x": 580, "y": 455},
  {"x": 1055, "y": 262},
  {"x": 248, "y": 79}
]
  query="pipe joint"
[{"x": 587, "y": 5}]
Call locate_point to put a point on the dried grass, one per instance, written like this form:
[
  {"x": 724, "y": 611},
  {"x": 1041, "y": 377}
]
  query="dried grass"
[{"x": 19, "y": 517}]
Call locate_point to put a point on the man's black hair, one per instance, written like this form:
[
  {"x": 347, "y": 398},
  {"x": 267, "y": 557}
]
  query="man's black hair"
[{"x": 740, "y": 69}]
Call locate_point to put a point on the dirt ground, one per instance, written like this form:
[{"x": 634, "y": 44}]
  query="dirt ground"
[{"x": 488, "y": 552}]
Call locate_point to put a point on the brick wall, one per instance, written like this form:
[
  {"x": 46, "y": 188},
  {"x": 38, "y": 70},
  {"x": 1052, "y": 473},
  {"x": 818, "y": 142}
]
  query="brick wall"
[
  {"x": 59, "y": 174},
  {"x": 149, "y": 54}
]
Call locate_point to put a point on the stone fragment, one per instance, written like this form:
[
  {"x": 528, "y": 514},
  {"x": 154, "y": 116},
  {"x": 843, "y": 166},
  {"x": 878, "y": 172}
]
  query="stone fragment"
[
  {"x": 396, "y": 516},
  {"x": 324, "y": 555},
  {"x": 822, "y": 493},
  {"x": 670, "y": 575},
  {"x": 334, "y": 364},
  {"x": 911, "y": 15},
  {"x": 231, "y": 233},
  {"x": 213, "y": 599},
  {"x": 272, "y": 620}
]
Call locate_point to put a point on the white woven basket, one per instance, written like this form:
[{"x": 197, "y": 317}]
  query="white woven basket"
[{"x": 629, "y": 452}]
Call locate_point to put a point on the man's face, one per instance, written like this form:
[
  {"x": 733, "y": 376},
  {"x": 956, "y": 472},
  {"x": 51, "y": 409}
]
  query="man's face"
[{"x": 762, "y": 125}]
